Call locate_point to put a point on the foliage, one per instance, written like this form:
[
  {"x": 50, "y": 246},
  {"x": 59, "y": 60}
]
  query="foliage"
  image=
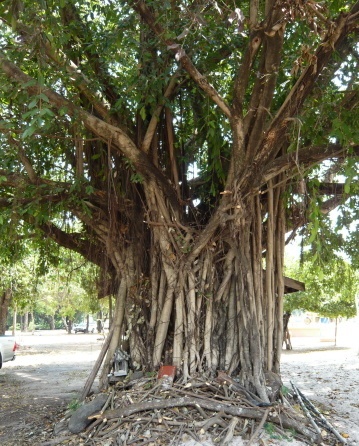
[
  {"x": 19, "y": 278},
  {"x": 331, "y": 289},
  {"x": 73, "y": 405},
  {"x": 104, "y": 41},
  {"x": 67, "y": 290}
]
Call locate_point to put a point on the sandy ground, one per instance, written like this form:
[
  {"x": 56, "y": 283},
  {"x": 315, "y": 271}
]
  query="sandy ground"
[
  {"x": 51, "y": 368},
  {"x": 329, "y": 375},
  {"x": 46, "y": 377}
]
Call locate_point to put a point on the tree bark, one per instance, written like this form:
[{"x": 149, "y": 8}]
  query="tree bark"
[
  {"x": 14, "y": 322},
  {"x": 191, "y": 286},
  {"x": 116, "y": 331},
  {"x": 25, "y": 326},
  {"x": 5, "y": 300},
  {"x": 52, "y": 322}
]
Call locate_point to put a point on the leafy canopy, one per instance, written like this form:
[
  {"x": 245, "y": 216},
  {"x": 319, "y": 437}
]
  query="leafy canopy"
[
  {"x": 331, "y": 289},
  {"x": 125, "y": 62}
]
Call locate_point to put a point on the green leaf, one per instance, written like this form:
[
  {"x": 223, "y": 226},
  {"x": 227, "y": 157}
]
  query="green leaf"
[
  {"x": 30, "y": 83},
  {"x": 33, "y": 103},
  {"x": 43, "y": 97},
  {"x": 29, "y": 114},
  {"x": 136, "y": 178},
  {"x": 46, "y": 111},
  {"x": 63, "y": 110},
  {"x": 28, "y": 132},
  {"x": 143, "y": 113}
]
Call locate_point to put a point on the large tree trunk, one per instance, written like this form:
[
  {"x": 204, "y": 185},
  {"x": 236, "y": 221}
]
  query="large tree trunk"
[
  {"x": 25, "y": 322},
  {"x": 217, "y": 310},
  {"x": 5, "y": 300},
  {"x": 14, "y": 321},
  {"x": 52, "y": 322}
]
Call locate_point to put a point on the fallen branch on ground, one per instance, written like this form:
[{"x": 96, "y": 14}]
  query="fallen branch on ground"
[
  {"x": 323, "y": 421},
  {"x": 142, "y": 412}
]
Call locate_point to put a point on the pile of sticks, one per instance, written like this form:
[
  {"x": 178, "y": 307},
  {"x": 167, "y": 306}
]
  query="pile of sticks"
[{"x": 145, "y": 411}]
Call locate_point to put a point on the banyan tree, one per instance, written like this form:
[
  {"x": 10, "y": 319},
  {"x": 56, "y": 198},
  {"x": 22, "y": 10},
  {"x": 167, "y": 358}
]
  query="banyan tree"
[{"x": 175, "y": 144}]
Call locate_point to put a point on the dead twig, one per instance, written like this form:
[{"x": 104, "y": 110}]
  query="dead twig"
[
  {"x": 206, "y": 424},
  {"x": 230, "y": 431},
  {"x": 307, "y": 413},
  {"x": 324, "y": 421},
  {"x": 56, "y": 441},
  {"x": 255, "y": 413},
  {"x": 259, "y": 428},
  {"x": 139, "y": 415}
]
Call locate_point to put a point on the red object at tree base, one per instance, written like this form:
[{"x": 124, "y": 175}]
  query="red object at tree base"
[{"x": 167, "y": 374}]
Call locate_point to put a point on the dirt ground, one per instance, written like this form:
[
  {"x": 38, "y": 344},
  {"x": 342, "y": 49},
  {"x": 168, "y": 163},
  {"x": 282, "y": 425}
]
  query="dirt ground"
[
  {"x": 51, "y": 368},
  {"x": 46, "y": 377}
]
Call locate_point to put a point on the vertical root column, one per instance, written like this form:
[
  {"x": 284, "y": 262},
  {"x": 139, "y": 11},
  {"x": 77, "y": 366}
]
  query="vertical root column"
[
  {"x": 191, "y": 324},
  {"x": 179, "y": 328},
  {"x": 249, "y": 305}
]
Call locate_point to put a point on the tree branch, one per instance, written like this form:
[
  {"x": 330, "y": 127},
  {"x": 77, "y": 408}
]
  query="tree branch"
[
  {"x": 151, "y": 129},
  {"x": 256, "y": 413},
  {"x": 295, "y": 99},
  {"x": 93, "y": 253},
  {"x": 180, "y": 55},
  {"x": 304, "y": 158},
  {"x": 273, "y": 37},
  {"x": 82, "y": 83},
  {"x": 109, "y": 133}
]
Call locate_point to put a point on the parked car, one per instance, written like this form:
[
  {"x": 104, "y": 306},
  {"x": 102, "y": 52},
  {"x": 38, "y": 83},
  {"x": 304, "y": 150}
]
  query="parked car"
[
  {"x": 82, "y": 327},
  {"x": 7, "y": 349}
]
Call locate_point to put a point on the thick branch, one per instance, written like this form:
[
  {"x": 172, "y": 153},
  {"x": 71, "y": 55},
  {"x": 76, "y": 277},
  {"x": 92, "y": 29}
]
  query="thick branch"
[
  {"x": 152, "y": 126},
  {"x": 295, "y": 99},
  {"x": 55, "y": 56},
  {"x": 331, "y": 189},
  {"x": 264, "y": 87},
  {"x": 118, "y": 139},
  {"x": 180, "y": 55},
  {"x": 299, "y": 218},
  {"x": 70, "y": 15},
  {"x": 291, "y": 163},
  {"x": 74, "y": 242},
  {"x": 210, "y": 405}
]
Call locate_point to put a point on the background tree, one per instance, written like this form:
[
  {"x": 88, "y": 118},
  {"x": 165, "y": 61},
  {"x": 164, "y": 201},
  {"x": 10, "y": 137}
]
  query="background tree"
[
  {"x": 61, "y": 293},
  {"x": 65, "y": 292},
  {"x": 16, "y": 291},
  {"x": 109, "y": 109},
  {"x": 331, "y": 289}
]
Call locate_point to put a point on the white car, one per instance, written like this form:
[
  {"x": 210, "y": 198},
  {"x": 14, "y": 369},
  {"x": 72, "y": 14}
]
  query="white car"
[
  {"x": 82, "y": 327},
  {"x": 7, "y": 349}
]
